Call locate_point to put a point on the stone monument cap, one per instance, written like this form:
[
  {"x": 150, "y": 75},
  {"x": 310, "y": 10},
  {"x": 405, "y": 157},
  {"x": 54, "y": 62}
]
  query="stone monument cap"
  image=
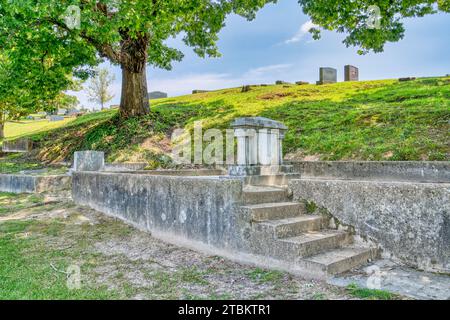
[{"x": 258, "y": 123}]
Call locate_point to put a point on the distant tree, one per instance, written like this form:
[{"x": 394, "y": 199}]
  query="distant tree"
[
  {"x": 64, "y": 101},
  {"x": 33, "y": 84},
  {"x": 368, "y": 27},
  {"x": 98, "y": 89}
]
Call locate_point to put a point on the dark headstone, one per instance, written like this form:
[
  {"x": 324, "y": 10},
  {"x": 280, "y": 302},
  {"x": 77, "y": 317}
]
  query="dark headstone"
[
  {"x": 301, "y": 83},
  {"x": 157, "y": 95},
  {"x": 246, "y": 88},
  {"x": 199, "y": 91},
  {"x": 278, "y": 82},
  {"x": 327, "y": 75},
  {"x": 406, "y": 79},
  {"x": 351, "y": 73}
]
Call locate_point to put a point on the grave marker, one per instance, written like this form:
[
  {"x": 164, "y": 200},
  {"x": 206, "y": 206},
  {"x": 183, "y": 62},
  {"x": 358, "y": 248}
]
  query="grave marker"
[
  {"x": 351, "y": 73},
  {"x": 56, "y": 118},
  {"x": 327, "y": 75}
]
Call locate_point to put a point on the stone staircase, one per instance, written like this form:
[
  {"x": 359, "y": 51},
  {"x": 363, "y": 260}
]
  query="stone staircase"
[{"x": 282, "y": 230}]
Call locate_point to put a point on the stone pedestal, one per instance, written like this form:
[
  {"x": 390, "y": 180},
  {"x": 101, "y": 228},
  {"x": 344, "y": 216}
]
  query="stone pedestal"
[{"x": 259, "y": 146}]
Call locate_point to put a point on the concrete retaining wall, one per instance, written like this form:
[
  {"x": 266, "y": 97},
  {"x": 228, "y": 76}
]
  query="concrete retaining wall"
[
  {"x": 410, "y": 221},
  {"x": 120, "y": 167},
  {"x": 194, "y": 208},
  {"x": 424, "y": 171},
  {"x": 18, "y": 145},
  {"x": 184, "y": 172},
  {"x": 17, "y": 183}
]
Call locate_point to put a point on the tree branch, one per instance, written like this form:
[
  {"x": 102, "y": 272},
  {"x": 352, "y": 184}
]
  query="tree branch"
[{"x": 105, "y": 50}]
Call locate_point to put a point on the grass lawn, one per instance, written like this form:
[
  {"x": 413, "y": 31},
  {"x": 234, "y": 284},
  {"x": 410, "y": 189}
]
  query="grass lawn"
[
  {"x": 17, "y": 129},
  {"x": 42, "y": 238},
  {"x": 366, "y": 120}
]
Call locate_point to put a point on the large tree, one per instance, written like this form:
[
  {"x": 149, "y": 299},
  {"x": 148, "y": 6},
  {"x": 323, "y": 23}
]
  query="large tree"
[
  {"x": 130, "y": 33},
  {"x": 133, "y": 33}
]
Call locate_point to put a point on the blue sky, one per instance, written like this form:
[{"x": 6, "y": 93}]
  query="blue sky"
[{"x": 274, "y": 47}]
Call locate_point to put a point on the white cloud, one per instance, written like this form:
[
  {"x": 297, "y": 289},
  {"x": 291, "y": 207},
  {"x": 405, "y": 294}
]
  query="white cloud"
[
  {"x": 304, "y": 29},
  {"x": 186, "y": 83},
  {"x": 262, "y": 72},
  {"x": 214, "y": 81}
]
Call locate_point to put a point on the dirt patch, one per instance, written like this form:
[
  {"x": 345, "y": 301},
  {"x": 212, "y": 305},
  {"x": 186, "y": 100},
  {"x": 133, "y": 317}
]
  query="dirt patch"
[
  {"x": 162, "y": 270},
  {"x": 157, "y": 144},
  {"x": 136, "y": 265},
  {"x": 275, "y": 95},
  {"x": 301, "y": 155}
]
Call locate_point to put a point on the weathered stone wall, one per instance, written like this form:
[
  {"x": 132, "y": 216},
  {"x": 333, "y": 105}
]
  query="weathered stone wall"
[
  {"x": 410, "y": 221},
  {"x": 18, "y": 145},
  {"x": 183, "y": 172},
  {"x": 426, "y": 171},
  {"x": 194, "y": 208},
  {"x": 120, "y": 167},
  {"x": 17, "y": 183}
]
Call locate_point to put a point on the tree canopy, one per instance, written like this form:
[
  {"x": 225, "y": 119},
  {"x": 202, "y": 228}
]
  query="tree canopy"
[
  {"x": 130, "y": 33},
  {"x": 352, "y": 17}
]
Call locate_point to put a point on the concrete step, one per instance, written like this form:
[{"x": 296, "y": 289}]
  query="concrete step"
[
  {"x": 271, "y": 180},
  {"x": 264, "y": 194},
  {"x": 309, "y": 244},
  {"x": 291, "y": 227},
  {"x": 337, "y": 261},
  {"x": 276, "y": 210}
]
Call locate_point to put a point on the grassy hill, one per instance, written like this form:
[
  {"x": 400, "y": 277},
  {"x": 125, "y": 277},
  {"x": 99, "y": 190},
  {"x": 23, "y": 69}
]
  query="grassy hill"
[{"x": 367, "y": 120}]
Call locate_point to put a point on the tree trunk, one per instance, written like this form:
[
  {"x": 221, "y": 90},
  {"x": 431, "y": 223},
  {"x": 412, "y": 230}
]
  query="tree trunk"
[
  {"x": 134, "y": 100},
  {"x": 2, "y": 130}
]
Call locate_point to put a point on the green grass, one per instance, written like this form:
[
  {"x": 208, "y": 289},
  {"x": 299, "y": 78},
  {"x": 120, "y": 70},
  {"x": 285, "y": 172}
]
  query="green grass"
[
  {"x": 11, "y": 203},
  {"x": 17, "y": 129},
  {"x": 26, "y": 270},
  {"x": 367, "y": 120},
  {"x": 14, "y": 163},
  {"x": 39, "y": 243},
  {"x": 370, "y": 294},
  {"x": 264, "y": 276}
]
